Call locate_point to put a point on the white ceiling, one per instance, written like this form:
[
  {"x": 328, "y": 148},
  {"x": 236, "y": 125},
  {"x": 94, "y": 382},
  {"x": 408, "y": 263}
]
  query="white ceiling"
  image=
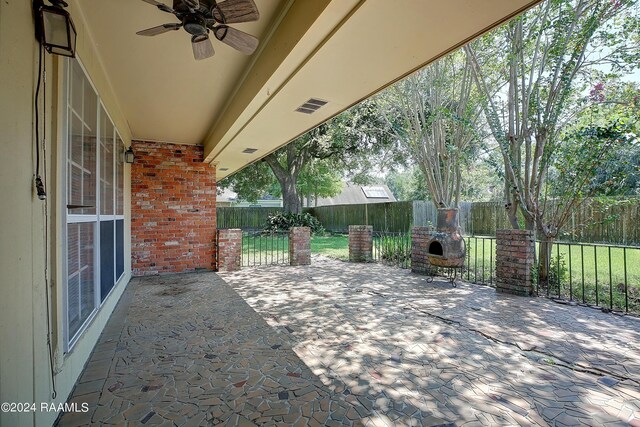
[{"x": 338, "y": 50}]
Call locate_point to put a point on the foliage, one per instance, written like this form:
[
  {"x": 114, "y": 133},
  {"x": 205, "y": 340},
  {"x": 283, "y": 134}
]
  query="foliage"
[
  {"x": 433, "y": 114},
  {"x": 284, "y": 222},
  {"x": 353, "y": 141},
  {"x": 407, "y": 185},
  {"x": 319, "y": 179},
  {"x": 614, "y": 102},
  {"x": 533, "y": 93},
  {"x": 395, "y": 249},
  {"x": 479, "y": 183},
  {"x": 531, "y": 97},
  {"x": 558, "y": 273},
  {"x": 251, "y": 183}
]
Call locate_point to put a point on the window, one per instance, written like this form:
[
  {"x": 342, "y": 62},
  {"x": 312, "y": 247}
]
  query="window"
[
  {"x": 94, "y": 211},
  {"x": 375, "y": 192}
]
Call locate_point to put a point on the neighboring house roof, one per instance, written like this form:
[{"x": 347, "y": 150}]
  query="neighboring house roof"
[
  {"x": 229, "y": 198},
  {"x": 358, "y": 194},
  {"x": 260, "y": 203},
  {"x": 226, "y": 196}
]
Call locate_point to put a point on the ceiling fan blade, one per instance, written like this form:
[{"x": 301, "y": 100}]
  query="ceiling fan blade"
[
  {"x": 235, "y": 11},
  {"x": 160, "y": 6},
  {"x": 202, "y": 49},
  {"x": 237, "y": 39},
  {"x": 160, "y": 29}
]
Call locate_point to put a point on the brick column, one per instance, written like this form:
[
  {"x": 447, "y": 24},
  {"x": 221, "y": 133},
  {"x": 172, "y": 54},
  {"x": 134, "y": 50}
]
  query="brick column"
[
  {"x": 515, "y": 252},
  {"x": 173, "y": 209},
  {"x": 420, "y": 237},
  {"x": 229, "y": 249},
  {"x": 300, "y": 246},
  {"x": 360, "y": 243}
]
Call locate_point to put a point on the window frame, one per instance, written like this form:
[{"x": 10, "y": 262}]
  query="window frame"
[{"x": 96, "y": 218}]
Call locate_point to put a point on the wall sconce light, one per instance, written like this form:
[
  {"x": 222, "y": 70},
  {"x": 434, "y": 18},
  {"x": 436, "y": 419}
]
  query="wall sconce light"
[
  {"x": 54, "y": 28},
  {"x": 129, "y": 157}
]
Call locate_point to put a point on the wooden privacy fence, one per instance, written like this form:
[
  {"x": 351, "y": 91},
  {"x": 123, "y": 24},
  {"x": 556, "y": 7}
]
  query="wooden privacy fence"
[
  {"x": 392, "y": 216},
  {"x": 475, "y": 218},
  {"x": 244, "y": 218},
  {"x": 592, "y": 222}
]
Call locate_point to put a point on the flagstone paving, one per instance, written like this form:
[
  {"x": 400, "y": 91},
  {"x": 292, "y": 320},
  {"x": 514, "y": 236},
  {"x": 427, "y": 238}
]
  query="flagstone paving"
[
  {"x": 354, "y": 344},
  {"x": 409, "y": 350}
]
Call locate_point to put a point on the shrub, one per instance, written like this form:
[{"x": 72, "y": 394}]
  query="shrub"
[
  {"x": 557, "y": 274},
  {"x": 395, "y": 249},
  {"x": 284, "y": 221}
]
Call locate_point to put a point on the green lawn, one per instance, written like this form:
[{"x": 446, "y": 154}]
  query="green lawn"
[
  {"x": 336, "y": 246},
  {"x": 575, "y": 270}
]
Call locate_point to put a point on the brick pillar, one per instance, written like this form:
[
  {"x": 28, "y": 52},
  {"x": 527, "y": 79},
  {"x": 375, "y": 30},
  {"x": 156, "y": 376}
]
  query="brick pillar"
[
  {"x": 360, "y": 243},
  {"x": 173, "y": 209},
  {"x": 229, "y": 249},
  {"x": 420, "y": 237},
  {"x": 300, "y": 246},
  {"x": 515, "y": 252}
]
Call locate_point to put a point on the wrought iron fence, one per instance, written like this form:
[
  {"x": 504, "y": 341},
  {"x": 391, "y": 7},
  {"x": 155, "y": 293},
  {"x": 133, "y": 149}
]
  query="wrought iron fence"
[
  {"x": 606, "y": 276},
  {"x": 392, "y": 248},
  {"x": 600, "y": 275},
  {"x": 265, "y": 248},
  {"x": 481, "y": 255}
]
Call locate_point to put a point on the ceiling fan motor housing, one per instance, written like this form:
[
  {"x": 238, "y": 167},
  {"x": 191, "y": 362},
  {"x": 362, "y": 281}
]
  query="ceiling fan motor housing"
[{"x": 195, "y": 25}]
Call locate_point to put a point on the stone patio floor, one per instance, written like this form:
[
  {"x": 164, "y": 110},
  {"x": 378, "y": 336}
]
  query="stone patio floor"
[{"x": 337, "y": 343}]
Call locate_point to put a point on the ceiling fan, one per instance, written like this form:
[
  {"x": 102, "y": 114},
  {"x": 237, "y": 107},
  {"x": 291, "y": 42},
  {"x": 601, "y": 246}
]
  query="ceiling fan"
[{"x": 199, "y": 17}]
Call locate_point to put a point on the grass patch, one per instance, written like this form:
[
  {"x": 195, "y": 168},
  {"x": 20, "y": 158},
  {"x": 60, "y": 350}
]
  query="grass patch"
[
  {"x": 583, "y": 268},
  {"x": 334, "y": 246}
]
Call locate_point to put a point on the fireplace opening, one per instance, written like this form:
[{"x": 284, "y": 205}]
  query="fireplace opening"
[{"x": 435, "y": 248}]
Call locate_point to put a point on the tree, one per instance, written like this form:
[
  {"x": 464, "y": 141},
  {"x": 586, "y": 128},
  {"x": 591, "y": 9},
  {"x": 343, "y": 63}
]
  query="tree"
[
  {"x": 531, "y": 96},
  {"x": 614, "y": 100},
  {"x": 251, "y": 183},
  {"x": 319, "y": 179},
  {"x": 349, "y": 141},
  {"x": 433, "y": 114},
  {"x": 408, "y": 184}
]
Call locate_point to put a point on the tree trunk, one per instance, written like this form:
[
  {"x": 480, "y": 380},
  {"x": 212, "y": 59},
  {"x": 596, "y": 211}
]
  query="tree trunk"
[
  {"x": 290, "y": 198},
  {"x": 287, "y": 178},
  {"x": 547, "y": 279}
]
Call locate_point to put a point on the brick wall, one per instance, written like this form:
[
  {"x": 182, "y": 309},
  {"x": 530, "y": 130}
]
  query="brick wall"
[
  {"x": 229, "y": 249},
  {"x": 300, "y": 246},
  {"x": 360, "y": 243},
  {"x": 173, "y": 209},
  {"x": 420, "y": 237},
  {"x": 514, "y": 261}
]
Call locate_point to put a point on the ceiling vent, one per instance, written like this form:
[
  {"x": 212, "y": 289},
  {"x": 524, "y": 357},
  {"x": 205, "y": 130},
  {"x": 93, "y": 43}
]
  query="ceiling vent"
[
  {"x": 311, "y": 106},
  {"x": 249, "y": 150}
]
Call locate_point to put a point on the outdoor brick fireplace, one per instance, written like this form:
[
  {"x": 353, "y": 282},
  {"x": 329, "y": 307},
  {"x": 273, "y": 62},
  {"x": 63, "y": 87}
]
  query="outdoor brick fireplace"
[{"x": 446, "y": 247}]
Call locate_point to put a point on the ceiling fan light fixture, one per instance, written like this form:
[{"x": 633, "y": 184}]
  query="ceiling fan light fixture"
[
  {"x": 197, "y": 38},
  {"x": 202, "y": 47}
]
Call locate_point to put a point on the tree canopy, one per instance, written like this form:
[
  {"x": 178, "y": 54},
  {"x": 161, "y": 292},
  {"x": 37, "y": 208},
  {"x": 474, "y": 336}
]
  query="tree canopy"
[{"x": 312, "y": 165}]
